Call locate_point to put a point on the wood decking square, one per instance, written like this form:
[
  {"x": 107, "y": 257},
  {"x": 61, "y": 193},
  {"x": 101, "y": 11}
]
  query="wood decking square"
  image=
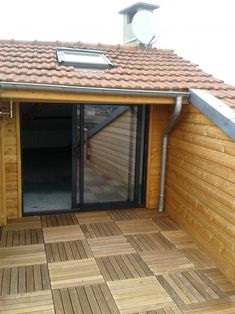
[
  {"x": 149, "y": 242},
  {"x": 33, "y": 222},
  {"x": 190, "y": 287},
  {"x": 93, "y": 217},
  {"x": 58, "y": 220},
  {"x": 199, "y": 259},
  {"x": 22, "y": 255},
  {"x": 20, "y": 237},
  {"x": 36, "y": 302},
  {"x": 166, "y": 261},
  {"x": 99, "y": 230},
  {"x": 63, "y": 233},
  {"x": 67, "y": 251},
  {"x": 220, "y": 280},
  {"x": 180, "y": 239},
  {"x": 22, "y": 279},
  {"x": 123, "y": 214},
  {"x": 88, "y": 299},
  {"x": 109, "y": 246},
  {"x": 139, "y": 295},
  {"x": 165, "y": 223},
  {"x": 120, "y": 267},
  {"x": 137, "y": 226},
  {"x": 74, "y": 273}
]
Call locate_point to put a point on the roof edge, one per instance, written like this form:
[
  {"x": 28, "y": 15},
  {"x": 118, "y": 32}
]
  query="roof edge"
[
  {"x": 92, "y": 90},
  {"x": 215, "y": 110}
]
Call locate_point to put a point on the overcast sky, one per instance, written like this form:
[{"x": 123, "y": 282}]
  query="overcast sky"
[{"x": 202, "y": 31}]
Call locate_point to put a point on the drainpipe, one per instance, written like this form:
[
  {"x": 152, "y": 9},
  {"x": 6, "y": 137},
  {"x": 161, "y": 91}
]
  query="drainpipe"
[{"x": 167, "y": 131}]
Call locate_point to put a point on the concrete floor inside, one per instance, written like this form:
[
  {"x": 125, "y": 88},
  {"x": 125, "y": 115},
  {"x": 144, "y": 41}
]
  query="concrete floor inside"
[
  {"x": 47, "y": 185},
  {"x": 116, "y": 261}
]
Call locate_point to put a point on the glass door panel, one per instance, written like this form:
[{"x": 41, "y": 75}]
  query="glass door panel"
[{"x": 108, "y": 155}]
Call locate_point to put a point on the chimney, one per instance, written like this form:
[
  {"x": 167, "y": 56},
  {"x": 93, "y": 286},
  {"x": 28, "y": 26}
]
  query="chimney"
[{"x": 128, "y": 14}]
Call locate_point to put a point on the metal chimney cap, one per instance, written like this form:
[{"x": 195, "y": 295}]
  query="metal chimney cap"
[{"x": 140, "y": 5}]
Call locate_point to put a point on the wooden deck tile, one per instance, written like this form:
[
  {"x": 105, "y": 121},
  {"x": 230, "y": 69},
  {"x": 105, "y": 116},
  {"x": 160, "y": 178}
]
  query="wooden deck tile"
[
  {"x": 220, "y": 280},
  {"x": 166, "y": 261},
  {"x": 109, "y": 246},
  {"x": 179, "y": 238},
  {"x": 123, "y": 267},
  {"x": 166, "y": 223},
  {"x": 199, "y": 259},
  {"x": 67, "y": 251},
  {"x": 36, "y": 303},
  {"x": 93, "y": 217},
  {"x": 20, "y": 237},
  {"x": 74, "y": 273},
  {"x": 149, "y": 242},
  {"x": 98, "y": 230},
  {"x": 144, "y": 213},
  {"x": 139, "y": 295},
  {"x": 63, "y": 233},
  {"x": 22, "y": 255},
  {"x": 190, "y": 287},
  {"x": 219, "y": 306},
  {"x": 17, "y": 280},
  {"x": 58, "y": 220},
  {"x": 32, "y": 222},
  {"x": 89, "y": 299},
  {"x": 137, "y": 226},
  {"x": 123, "y": 214}
]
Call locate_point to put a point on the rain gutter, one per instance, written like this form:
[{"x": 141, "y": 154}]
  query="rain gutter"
[{"x": 90, "y": 90}]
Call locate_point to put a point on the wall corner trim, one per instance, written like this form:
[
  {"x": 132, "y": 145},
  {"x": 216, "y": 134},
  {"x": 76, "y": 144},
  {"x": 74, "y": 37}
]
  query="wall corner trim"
[{"x": 215, "y": 110}]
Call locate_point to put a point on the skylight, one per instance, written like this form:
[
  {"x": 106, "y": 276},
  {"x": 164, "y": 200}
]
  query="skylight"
[{"x": 82, "y": 58}]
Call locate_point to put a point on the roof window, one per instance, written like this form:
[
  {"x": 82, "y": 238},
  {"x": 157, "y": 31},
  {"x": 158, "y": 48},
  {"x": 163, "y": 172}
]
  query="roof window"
[{"x": 82, "y": 58}]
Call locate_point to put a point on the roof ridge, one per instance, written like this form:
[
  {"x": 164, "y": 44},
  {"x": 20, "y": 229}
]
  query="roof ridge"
[{"x": 59, "y": 43}]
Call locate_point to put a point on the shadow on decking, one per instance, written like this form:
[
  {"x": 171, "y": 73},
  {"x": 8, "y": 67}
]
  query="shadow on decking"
[{"x": 128, "y": 261}]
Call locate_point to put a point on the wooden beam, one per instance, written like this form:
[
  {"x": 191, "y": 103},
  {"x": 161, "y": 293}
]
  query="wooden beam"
[
  {"x": 2, "y": 178},
  {"x": 40, "y": 96}
]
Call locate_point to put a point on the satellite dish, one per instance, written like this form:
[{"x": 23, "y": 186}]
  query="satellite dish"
[{"x": 145, "y": 27}]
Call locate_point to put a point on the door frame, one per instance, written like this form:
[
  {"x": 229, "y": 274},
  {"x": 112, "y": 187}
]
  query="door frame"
[
  {"x": 141, "y": 134},
  {"x": 141, "y": 137}
]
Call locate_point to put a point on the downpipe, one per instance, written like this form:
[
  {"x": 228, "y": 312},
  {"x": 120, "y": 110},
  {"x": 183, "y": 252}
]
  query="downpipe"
[{"x": 166, "y": 133}]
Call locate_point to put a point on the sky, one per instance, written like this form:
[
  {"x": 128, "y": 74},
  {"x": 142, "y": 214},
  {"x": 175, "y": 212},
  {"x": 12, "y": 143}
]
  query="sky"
[{"x": 202, "y": 31}]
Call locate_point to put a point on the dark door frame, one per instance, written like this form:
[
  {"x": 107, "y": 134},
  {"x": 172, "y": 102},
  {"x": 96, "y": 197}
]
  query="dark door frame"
[{"x": 139, "y": 189}]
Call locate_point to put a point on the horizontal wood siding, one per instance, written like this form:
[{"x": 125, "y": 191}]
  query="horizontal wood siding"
[
  {"x": 200, "y": 186},
  {"x": 112, "y": 150},
  {"x": 157, "y": 124}
]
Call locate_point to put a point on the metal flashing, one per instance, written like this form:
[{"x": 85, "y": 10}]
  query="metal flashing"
[{"x": 215, "y": 110}]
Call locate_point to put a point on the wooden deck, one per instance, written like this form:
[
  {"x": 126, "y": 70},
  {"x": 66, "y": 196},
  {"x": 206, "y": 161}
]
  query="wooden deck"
[{"x": 123, "y": 261}]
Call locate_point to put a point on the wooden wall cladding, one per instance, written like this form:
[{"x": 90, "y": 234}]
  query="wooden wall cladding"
[
  {"x": 112, "y": 150},
  {"x": 11, "y": 165},
  {"x": 200, "y": 185},
  {"x": 2, "y": 178},
  {"x": 157, "y": 123}
]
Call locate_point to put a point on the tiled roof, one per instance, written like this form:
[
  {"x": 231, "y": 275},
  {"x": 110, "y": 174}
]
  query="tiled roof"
[{"x": 134, "y": 68}]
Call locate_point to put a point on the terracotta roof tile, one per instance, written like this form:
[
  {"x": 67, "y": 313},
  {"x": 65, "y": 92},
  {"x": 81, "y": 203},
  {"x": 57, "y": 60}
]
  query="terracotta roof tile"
[{"x": 35, "y": 62}]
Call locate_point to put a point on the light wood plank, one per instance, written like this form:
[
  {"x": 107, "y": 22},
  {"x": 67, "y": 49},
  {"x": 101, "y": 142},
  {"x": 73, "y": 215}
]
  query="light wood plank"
[
  {"x": 74, "y": 273},
  {"x": 63, "y": 233}
]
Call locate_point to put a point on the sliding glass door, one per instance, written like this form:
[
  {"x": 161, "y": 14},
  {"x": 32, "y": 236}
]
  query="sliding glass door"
[{"x": 108, "y": 156}]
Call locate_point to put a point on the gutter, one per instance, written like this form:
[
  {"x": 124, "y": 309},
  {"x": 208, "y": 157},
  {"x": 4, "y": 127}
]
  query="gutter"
[{"x": 90, "y": 90}]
